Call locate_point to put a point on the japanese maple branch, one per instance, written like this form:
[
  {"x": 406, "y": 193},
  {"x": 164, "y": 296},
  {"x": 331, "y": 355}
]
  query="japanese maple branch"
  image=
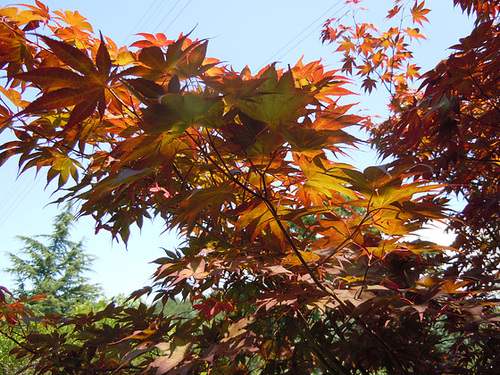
[
  {"x": 225, "y": 170},
  {"x": 15, "y": 341},
  {"x": 336, "y": 366},
  {"x": 482, "y": 92}
]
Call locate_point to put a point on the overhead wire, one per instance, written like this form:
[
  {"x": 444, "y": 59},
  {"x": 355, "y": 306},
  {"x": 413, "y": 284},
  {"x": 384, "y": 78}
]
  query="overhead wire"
[
  {"x": 167, "y": 15},
  {"x": 321, "y": 17},
  {"x": 144, "y": 19},
  {"x": 13, "y": 198},
  {"x": 148, "y": 16},
  {"x": 177, "y": 16}
]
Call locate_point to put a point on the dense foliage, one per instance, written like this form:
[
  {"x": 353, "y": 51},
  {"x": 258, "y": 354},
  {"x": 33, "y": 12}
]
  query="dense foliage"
[
  {"x": 56, "y": 270},
  {"x": 295, "y": 263},
  {"x": 451, "y": 126}
]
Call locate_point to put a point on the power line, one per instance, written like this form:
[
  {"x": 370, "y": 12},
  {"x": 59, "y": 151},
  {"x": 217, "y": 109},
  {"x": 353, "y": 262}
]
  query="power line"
[
  {"x": 168, "y": 14},
  {"x": 143, "y": 20},
  {"x": 177, "y": 16},
  {"x": 321, "y": 17},
  {"x": 15, "y": 196}
]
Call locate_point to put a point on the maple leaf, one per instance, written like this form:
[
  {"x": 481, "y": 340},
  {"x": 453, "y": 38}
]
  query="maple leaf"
[
  {"x": 415, "y": 33},
  {"x": 74, "y": 19},
  {"x": 394, "y": 11},
  {"x": 369, "y": 84},
  {"x": 165, "y": 363},
  {"x": 418, "y": 13},
  {"x": 85, "y": 92},
  {"x": 279, "y": 101}
]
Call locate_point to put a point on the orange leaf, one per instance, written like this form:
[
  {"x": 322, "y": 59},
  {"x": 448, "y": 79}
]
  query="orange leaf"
[
  {"x": 418, "y": 13},
  {"x": 74, "y": 19}
]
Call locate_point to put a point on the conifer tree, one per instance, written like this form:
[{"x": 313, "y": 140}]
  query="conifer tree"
[{"x": 52, "y": 264}]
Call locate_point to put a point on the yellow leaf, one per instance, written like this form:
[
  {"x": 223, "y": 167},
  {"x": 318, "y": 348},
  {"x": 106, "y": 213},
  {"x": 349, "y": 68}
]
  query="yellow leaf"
[{"x": 308, "y": 256}]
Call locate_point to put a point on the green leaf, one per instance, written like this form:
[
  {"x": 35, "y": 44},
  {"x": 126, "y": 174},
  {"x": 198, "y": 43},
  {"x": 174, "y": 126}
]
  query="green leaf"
[
  {"x": 178, "y": 112},
  {"x": 279, "y": 102},
  {"x": 152, "y": 57},
  {"x": 197, "y": 55}
]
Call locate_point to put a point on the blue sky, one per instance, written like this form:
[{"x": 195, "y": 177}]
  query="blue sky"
[{"x": 240, "y": 33}]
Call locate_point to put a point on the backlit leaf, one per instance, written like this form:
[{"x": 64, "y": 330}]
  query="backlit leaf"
[{"x": 71, "y": 56}]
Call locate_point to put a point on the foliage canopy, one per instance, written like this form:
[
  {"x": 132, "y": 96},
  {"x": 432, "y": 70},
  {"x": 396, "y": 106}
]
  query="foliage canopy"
[{"x": 294, "y": 262}]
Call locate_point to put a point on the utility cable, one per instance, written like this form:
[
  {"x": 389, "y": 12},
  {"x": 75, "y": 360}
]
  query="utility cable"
[
  {"x": 321, "y": 17},
  {"x": 177, "y": 16},
  {"x": 144, "y": 19},
  {"x": 167, "y": 15}
]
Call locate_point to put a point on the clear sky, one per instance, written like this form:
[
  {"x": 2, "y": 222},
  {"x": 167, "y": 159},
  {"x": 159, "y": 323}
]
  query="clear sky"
[{"x": 252, "y": 33}]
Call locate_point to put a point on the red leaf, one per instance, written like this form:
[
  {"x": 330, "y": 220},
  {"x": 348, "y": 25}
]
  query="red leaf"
[
  {"x": 369, "y": 84},
  {"x": 148, "y": 89},
  {"x": 82, "y": 111},
  {"x": 393, "y": 11},
  {"x": 54, "y": 100},
  {"x": 103, "y": 61},
  {"x": 71, "y": 56},
  {"x": 53, "y": 77}
]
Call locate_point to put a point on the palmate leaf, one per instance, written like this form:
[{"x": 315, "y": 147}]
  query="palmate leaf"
[
  {"x": 418, "y": 13},
  {"x": 103, "y": 60},
  {"x": 85, "y": 92},
  {"x": 279, "y": 102},
  {"x": 177, "y": 352},
  {"x": 255, "y": 218},
  {"x": 84, "y": 100},
  {"x": 307, "y": 139},
  {"x": 152, "y": 57},
  {"x": 146, "y": 89},
  {"x": 74, "y": 19},
  {"x": 308, "y": 256},
  {"x": 324, "y": 179},
  {"x": 197, "y": 55},
  {"x": 63, "y": 167},
  {"x": 177, "y": 112},
  {"x": 57, "y": 99},
  {"x": 207, "y": 202},
  {"x": 71, "y": 56},
  {"x": 85, "y": 109},
  {"x": 53, "y": 77}
]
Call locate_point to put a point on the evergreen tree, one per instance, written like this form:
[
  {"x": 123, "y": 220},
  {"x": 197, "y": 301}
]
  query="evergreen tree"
[{"x": 55, "y": 267}]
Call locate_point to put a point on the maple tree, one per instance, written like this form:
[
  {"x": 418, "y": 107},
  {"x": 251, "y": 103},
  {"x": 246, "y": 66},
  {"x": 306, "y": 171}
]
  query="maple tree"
[
  {"x": 450, "y": 125},
  {"x": 447, "y": 127},
  {"x": 293, "y": 261}
]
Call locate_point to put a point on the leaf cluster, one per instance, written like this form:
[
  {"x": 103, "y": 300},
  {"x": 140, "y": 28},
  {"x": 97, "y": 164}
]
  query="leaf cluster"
[
  {"x": 293, "y": 262},
  {"x": 449, "y": 128}
]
